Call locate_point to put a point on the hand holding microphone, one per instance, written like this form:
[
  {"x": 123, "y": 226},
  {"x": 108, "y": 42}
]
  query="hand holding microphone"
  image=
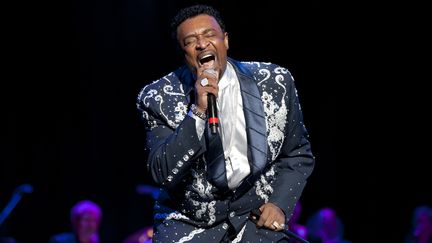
[
  {"x": 209, "y": 79},
  {"x": 212, "y": 115}
]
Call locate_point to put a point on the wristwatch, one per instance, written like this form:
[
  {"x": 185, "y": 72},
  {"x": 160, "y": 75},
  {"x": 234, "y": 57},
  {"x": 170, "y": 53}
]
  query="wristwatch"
[{"x": 198, "y": 113}]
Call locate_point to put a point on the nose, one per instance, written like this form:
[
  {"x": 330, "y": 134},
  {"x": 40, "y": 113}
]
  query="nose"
[{"x": 202, "y": 43}]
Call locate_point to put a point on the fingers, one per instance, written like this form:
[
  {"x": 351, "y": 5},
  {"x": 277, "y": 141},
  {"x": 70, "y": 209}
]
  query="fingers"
[
  {"x": 272, "y": 217},
  {"x": 206, "y": 85},
  {"x": 211, "y": 72},
  {"x": 276, "y": 226},
  {"x": 207, "y": 82}
]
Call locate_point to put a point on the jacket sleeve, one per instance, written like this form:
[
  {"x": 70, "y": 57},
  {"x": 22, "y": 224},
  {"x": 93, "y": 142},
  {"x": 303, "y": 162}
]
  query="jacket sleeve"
[
  {"x": 295, "y": 162},
  {"x": 171, "y": 151}
]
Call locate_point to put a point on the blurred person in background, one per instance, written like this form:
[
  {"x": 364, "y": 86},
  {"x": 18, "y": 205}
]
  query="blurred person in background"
[
  {"x": 295, "y": 226},
  {"x": 85, "y": 217},
  {"x": 421, "y": 231},
  {"x": 325, "y": 226}
]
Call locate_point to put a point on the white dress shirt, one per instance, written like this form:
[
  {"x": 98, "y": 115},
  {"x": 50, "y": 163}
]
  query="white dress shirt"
[{"x": 232, "y": 127}]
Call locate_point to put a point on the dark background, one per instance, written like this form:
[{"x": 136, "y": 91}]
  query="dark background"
[{"x": 73, "y": 69}]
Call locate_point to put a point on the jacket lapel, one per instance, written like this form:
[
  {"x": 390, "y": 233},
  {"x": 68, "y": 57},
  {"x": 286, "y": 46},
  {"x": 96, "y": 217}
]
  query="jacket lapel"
[
  {"x": 254, "y": 116},
  {"x": 255, "y": 124}
]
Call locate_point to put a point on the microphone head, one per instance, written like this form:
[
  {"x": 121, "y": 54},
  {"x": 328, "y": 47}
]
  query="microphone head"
[
  {"x": 212, "y": 72},
  {"x": 24, "y": 188}
]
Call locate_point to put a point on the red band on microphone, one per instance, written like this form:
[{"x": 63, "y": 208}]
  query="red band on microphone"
[{"x": 213, "y": 120}]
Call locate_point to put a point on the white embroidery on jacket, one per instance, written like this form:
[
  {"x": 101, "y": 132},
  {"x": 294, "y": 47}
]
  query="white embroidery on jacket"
[
  {"x": 276, "y": 115},
  {"x": 263, "y": 185},
  {"x": 191, "y": 235},
  {"x": 181, "y": 111},
  {"x": 173, "y": 215},
  {"x": 203, "y": 188},
  {"x": 239, "y": 235},
  {"x": 164, "y": 100}
]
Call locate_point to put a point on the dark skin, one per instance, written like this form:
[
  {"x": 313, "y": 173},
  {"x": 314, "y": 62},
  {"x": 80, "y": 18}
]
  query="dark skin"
[
  {"x": 201, "y": 37},
  {"x": 205, "y": 46}
]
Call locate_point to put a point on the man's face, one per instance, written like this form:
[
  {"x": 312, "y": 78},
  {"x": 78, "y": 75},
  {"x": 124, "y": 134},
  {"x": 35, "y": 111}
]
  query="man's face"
[
  {"x": 88, "y": 224},
  {"x": 203, "y": 43}
]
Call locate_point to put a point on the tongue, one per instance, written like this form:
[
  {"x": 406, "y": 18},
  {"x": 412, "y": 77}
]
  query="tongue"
[{"x": 208, "y": 65}]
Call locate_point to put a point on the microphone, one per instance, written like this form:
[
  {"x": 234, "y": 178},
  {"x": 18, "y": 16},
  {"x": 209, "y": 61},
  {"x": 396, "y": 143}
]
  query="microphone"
[
  {"x": 24, "y": 188},
  {"x": 212, "y": 115},
  {"x": 16, "y": 197}
]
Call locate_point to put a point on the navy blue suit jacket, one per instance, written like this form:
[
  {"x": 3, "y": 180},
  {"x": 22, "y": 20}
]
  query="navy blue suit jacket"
[{"x": 279, "y": 151}]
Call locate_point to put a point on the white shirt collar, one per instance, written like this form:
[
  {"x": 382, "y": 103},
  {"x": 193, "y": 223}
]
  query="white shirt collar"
[{"x": 228, "y": 78}]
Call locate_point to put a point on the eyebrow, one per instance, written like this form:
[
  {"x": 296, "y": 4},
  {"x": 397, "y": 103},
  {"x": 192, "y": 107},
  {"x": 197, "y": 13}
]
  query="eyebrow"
[{"x": 203, "y": 33}]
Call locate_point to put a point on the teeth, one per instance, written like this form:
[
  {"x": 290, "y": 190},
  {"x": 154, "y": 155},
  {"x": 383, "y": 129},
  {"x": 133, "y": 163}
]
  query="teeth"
[{"x": 205, "y": 56}]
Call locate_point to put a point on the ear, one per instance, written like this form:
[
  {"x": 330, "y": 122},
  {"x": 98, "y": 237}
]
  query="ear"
[{"x": 226, "y": 40}]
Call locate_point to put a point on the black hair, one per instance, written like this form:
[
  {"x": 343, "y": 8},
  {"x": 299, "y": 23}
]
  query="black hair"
[{"x": 192, "y": 11}]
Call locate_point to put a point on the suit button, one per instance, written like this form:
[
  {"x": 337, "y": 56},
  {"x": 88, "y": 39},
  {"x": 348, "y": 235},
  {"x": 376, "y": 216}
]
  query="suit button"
[
  {"x": 232, "y": 214},
  {"x": 225, "y": 226}
]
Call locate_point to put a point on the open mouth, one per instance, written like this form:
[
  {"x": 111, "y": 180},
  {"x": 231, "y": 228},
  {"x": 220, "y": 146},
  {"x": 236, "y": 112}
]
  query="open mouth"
[{"x": 207, "y": 61}]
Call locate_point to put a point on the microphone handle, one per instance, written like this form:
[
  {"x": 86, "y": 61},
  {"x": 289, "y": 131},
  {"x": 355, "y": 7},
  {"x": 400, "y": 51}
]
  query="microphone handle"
[
  {"x": 255, "y": 215},
  {"x": 212, "y": 113}
]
